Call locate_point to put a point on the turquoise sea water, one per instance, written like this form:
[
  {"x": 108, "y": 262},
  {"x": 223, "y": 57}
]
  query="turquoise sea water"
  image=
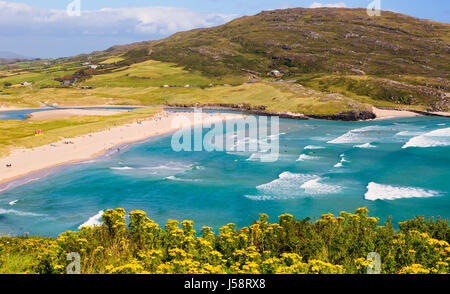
[{"x": 324, "y": 166}]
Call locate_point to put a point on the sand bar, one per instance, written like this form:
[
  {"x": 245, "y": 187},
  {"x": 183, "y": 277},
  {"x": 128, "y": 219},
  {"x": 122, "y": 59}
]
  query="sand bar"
[
  {"x": 26, "y": 161},
  {"x": 63, "y": 113},
  {"x": 442, "y": 113},
  {"x": 387, "y": 113}
]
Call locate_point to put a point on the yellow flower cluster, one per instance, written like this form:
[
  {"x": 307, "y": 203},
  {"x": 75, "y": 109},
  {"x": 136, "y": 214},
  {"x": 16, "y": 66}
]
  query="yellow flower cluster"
[{"x": 331, "y": 245}]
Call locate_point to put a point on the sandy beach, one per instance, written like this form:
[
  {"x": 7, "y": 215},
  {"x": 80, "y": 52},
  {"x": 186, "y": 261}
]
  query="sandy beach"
[
  {"x": 63, "y": 113},
  {"x": 26, "y": 161},
  {"x": 442, "y": 113},
  {"x": 387, "y": 113}
]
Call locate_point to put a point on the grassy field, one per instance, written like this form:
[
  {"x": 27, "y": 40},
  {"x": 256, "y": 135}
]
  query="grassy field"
[
  {"x": 152, "y": 74},
  {"x": 276, "y": 97},
  {"x": 112, "y": 60},
  {"x": 142, "y": 83},
  {"x": 21, "y": 133}
]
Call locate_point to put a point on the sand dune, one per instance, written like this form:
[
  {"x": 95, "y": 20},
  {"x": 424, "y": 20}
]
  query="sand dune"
[{"x": 26, "y": 161}]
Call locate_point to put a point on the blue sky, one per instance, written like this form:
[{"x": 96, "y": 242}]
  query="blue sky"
[{"x": 43, "y": 29}]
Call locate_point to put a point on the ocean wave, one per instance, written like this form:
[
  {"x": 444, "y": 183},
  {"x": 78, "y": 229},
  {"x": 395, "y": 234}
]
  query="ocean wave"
[
  {"x": 292, "y": 185},
  {"x": 122, "y": 168},
  {"x": 311, "y": 147},
  {"x": 260, "y": 198},
  {"x": 387, "y": 192},
  {"x": 23, "y": 181},
  {"x": 173, "y": 178},
  {"x": 12, "y": 203},
  {"x": 304, "y": 157},
  {"x": 166, "y": 167},
  {"x": 343, "y": 160},
  {"x": 17, "y": 212},
  {"x": 357, "y": 135},
  {"x": 286, "y": 184},
  {"x": 434, "y": 138},
  {"x": 316, "y": 187},
  {"x": 366, "y": 145},
  {"x": 274, "y": 136},
  {"x": 254, "y": 157},
  {"x": 95, "y": 220},
  {"x": 409, "y": 133}
]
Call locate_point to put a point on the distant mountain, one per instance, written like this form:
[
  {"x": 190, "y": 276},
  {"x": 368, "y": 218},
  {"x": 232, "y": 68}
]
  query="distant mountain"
[
  {"x": 7, "y": 57},
  {"x": 11, "y": 55}
]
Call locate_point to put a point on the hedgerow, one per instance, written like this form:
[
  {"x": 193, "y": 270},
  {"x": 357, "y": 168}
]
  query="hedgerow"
[{"x": 330, "y": 245}]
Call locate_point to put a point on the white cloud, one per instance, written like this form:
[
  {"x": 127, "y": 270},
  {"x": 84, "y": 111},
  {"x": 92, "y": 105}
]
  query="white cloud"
[
  {"x": 106, "y": 26},
  {"x": 21, "y": 18},
  {"x": 319, "y": 5}
]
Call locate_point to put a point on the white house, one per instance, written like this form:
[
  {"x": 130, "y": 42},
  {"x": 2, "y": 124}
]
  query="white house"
[
  {"x": 275, "y": 73},
  {"x": 92, "y": 66}
]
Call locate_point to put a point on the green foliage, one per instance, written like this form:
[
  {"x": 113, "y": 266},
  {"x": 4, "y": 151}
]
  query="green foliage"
[
  {"x": 330, "y": 245},
  {"x": 377, "y": 89}
]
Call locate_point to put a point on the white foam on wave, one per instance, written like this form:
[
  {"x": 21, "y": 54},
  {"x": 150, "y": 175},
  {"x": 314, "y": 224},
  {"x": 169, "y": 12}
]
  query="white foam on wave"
[
  {"x": 286, "y": 183},
  {"x": 95, "y": 220},
  {"x": 316, "y": 187},
  {"x": 386, "y": 192},
  {"x": 304, "y": 157},
  {"x": 312, "y": 147},
  {"x": 291, "y": 185},
  {"x": 261, "y": 198},
  {"x": 12, "y": 203},
  {"x": 436, "y": 138},
  {"x": 276, "y": 136},
  {"x": 254, "y": 157},
  {"x": 341, "y": 163},
  {"x": 173, "y": 178},
  {"x": 408, "y": 133},
  {"x": 357, "y": 135},
  {"x": 366, "y": 145},
  {"x": 121, "y": 168},
  {"x": 18, "y": 213}
]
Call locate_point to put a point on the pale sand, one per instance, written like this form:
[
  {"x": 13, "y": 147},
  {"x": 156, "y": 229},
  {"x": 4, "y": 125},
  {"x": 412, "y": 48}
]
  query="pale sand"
[
  {"x": 442, "y": 113},
  {"x": 8, "y": 108},
  {"x": 27, "y": 161},
  {"x": 384, "y": 113},
  {"x": 63, "y": 113}
]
